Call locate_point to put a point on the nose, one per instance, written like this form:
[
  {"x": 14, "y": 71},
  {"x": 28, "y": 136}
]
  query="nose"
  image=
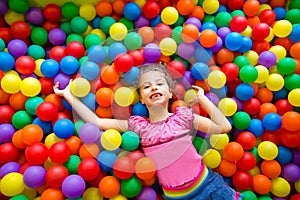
[{"x": 154, "y": 87}]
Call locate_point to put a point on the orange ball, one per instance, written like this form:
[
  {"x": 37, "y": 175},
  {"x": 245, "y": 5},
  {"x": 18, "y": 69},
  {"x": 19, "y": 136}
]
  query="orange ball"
[
  {"x": 104, "y": 97},
  {"x": 104, "y": 8},
  {"x": 197, "y": 12},
  {"x": 233, "y": 151},
  {"x": 147, "y": 34},
  {"x": 224, "y": 56},
  {"x": 266, "y": 108},
  {"x": 104, "y": 112},
  {"x": 52, "y": 193},
  {"x": 17, "y": 140},
  {"x": 264, "y": 95},
  {"x": 261, "y": 184},
  {"x": 149, "y": 182},
  {"x": 253, "y": 20},
  {"x": 185, "y": 7},
  {"x": 57, "y": 100},
  {"x": 32, "y": 134},
  {"x": 145, "y": 168},
  {"x": 208, "y": 38},
  {"x": 109, "y": 186},
  {"x": 177, "y": 103},
  {"x": 270, "y": 168},
  {"x": 227, "y": 168},
  {"x": 110, "y": 75},
  {"x": 89, "y": 151},
  {"x": 251, "y": 7},
  {"x": 118, "y": 6},
  {"x": 189, "y": 33},
  {"x": 295, "y": 50},
  {"x": 17, "y": 101},
  {"x": 290, "y": 121},
  {"x": 74, "y": 143},
  {"x": 4, "y": 97}
]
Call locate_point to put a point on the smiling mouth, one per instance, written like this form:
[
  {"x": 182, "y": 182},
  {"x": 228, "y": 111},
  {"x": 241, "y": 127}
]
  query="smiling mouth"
[{"x": 155, "y": 95}]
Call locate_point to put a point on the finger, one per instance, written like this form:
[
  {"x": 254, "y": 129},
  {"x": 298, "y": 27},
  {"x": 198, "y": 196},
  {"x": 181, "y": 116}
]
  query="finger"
[{"x": 196, "y": 87}]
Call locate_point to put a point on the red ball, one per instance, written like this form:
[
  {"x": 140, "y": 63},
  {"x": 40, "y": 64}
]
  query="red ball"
[
  {"x": 8, "y": 153},
  {"x": 7, "y": 113},
  {"x": 242, "y": 180},
  {"x": 267, "y": 16},
  {"x": 247, "y": 162},
  {"x": 57, "y": 53},
  {"x": 25, "y": 65},
  {"x": 251, "y": 106},
  {"x": 36, "y": 154},
  {"x": 135, "y": 155},
  {"x": 124, "y": 167},
  {"x": 162, "y": 31},
  {"x": 179, "y": 91},
  {"x": 231, "y": 71},
  {"x": 47, "y": 111},
  {"x": 59, "y": 152},
  {"x": 6, "y": 34},
  {"x": 4, "y": 97},
  {"x": 176, "y": 69},
  {"x": 151, "y": 9},
  {"x": 88, "y": 169},
  {"x": 20, "y": 30},
  {"x": 247, "y": 140},
  {"x": 235, "y": 4},
  {"x": 56, "y": 175},
  {"x": 273, "y": 136},
  {"x": 260, "y": 46},
  {"x": 52, "y": 12},
  {"x": 138, "y": 57},
  {"x": 123, "y": 62},
  {"x": 290, "y": 139},
  {"x": 238, "y": 23},
  {"x": 121, "y": 112},
  {"x": 47, "y": 85},
  {"x": 260, "y": 31},
  {"x": 283, "y": 106},
  {"x": 75, "y": 49}
]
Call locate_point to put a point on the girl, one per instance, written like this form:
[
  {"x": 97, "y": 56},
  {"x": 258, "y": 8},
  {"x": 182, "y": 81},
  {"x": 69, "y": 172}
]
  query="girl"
[{"x": 166, "y": 137}]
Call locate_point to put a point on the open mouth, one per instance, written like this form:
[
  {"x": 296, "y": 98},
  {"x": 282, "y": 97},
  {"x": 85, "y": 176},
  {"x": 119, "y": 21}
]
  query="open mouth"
[{"x": 155, "y": 95}]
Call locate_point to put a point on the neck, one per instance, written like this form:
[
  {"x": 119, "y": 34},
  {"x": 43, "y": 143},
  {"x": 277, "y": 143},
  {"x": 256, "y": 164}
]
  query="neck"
[{"x": 158, "y": 113}]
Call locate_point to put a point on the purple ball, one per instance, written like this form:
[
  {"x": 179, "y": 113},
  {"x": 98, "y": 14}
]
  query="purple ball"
[
  {"x": 3, "y": 7},
  {"x": 296, "y": 157},
  {"x": 223, "y": 32},
  {"x": 186, "y": 50},
  {"x": 291, "y": 172},
  {"x": 63, "y": 80},
  {"x": 8, "y": 168},
  {"x": 147, "y": 193},
  {"x": 187, "y": 80},
  {"x": 73, "y": 186},
  {"x": 267, "y": 59},
  {"x": 195, "y": 21},
  {"x": 17, "y": 48},
  {"x": 6, "y": 132},
  {"x": 35, "y": 16},
  {"x": 218, "y": 46},
  {"x": 89, "y": 133},
  {"x": 57, "y": 36},
  {"x": 152, "y": 52},
  {"x": 239, "y": 103},
  {"x": 34, "y": 176},
  {"x": 213, "y": 97},
  {"x": 23, "y": 76},
  {"x": 141, "y": 21}
]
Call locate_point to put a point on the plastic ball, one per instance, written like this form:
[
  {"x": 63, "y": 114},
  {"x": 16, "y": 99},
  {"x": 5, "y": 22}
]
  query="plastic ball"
[
  {"x": 216, "y": 79},
  {"x": 267, "y": 150},
  {"x": 123, "y": 62},
  {"x": 212, "y": 158},
  {"x": 238, "y": 23},
  {"x": 233, "y": 151},
  {"x": 291, "y": 172},
  {"x": 241, "y": 120},
  {"x": 63, "y": 128},
  {"x": 9, "y": 168},
  {"x": 210, "y": 6},
  {"x": 147, "y": 193},
  {"x": 261, "y": 184},
  {"x": 275, "y": 82},
  {"x": 131, "y": 187},
  {"x": 270, "y": 168},
  {"x": 293, "y": 97},
  {"x": 133, "y": 41},
  {"x": 130, "y": 141},
  {"x": 288, "y": 120},
  {"x": 21, "y": 118},
  {"x": 169, "y": 15},
  {"x": 118, "y": 31},
  {"x": 57, "y": 36},
  {"x": 260, "y": 31},
  {"x": 80, "y": 87},
  {"x": 219, "y": 141},
  {"x": 208, "y": 38},
  {"x": 124, "y": 167},
  {"x": 233, "y": 41},
  {"x": 25, "y": 65},
  {"x": 73, "y": 186},
  {"x": 124, "y": 96},
  {"x": 30, "y": 87},
  {"x": 286, "y": 66},
  {"x": 247, "y": 140},
  {"x": 280, "y": 187},
  {"x": 47, "y": 111},
  {"x": 31, "y": 134},
  {"x": 49, "y": 68},
  {"x": 34, "y": 176},
  {"x": 227, "y": 106},
  {"x": 282, "y": 28},
  {"x": 11, "y": 83},
  {"x": 231, "y": 71},
  {"x": 88, "y": 168},
  {"x": 55, "y": 175},
  {"x": 8, "y": 152},
  {"x": 59, "y": 152},
  {"x": 168, "y": 46},
  {"x": 247, "y": 162},
  {"x": 272, "y": 121},
  {"x": 145, "y": 168},
  {"x": 75, "y": 48},
  {"x": 152, "y": 52},
  {"x": 89, "y": 70},
  {"x": 111, "y": 139},
  {"x": 96, "y": 53},
  {"x": 109, "y": 186},
  {"x": 267, "y": 59},
  {"x": 132, "y": 11},
  {"x": 8, "y": 61},
  {"x": 36, "y": 153},
  {"x": 92, "y": 193},
  {"x": 110, "y": 75},
  {"x": 12, "y": 184},
  {"x": 17, "y": 48}
]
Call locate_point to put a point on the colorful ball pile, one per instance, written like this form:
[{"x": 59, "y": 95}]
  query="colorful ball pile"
[{"x": 244, "y": 54}]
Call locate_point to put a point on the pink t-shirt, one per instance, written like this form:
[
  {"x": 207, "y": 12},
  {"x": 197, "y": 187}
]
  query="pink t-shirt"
[{"x": 169, "y": 144}]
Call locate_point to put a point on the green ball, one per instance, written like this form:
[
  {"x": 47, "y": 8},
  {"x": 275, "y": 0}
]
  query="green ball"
[
  {"x": 39, "y": 36},
  {"x": 208, "y": 18},
  {"x": 19, "y": 6},
  {"x": 2, "y": 44},
  {"x": 223, "y": 19},
  {"x": 241, "y": 120},
  {"x": 69, "y": 10},
  {"x": 179, "y": 22},
  {"x": 292, "y": 81},
  {"x": 293, "y": 16},
  {"x": 264, "y": 198},
  {"x": 79, "y": 25},
  {"x": 74, "y": 37},
  {"x": 200, "y": 144},
  {"x": 109, "y": 40},
  {"x": 185, "y": 62},
  {"x": 133, "y": 41},
  {"x": 286, "y": 66},
  {"x": 92, "y": 39},
  {"x": 128, "y": 23},
  {"x": 249, "y": 195},
  {"x": 248, "y": 74},
  {"x": 32, "y": 103},
  {"x": 241, "y": 61},
  {"x": 106, "y": 22},
  {"x": 19, "y": 197},
  {"x": 254, "y": 151},
  {"x": 83, "y": 59},
  {"x": 66, "y": 27},
  {"x": 78, "y": 125},
  {"x": 21, "y": 118},
  {"x": 78, "y": 198},
  {"x": 131, "y": 187},
  {"x": 294, "y": 4},
  {"x": 237, "y": 13},
  {"x": 36, "y": 52},
  {"x": 72, "y": 164},
  {"x": 176, "y": 34},
  {"x": 130, "y": 141}
]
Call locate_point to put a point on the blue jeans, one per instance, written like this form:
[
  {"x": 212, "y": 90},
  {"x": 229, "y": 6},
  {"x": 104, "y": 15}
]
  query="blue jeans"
[{"x": 213, "y": 188}]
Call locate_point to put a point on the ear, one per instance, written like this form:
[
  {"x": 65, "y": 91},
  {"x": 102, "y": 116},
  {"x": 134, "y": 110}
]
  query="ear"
[{"x": 171, "y": 94}]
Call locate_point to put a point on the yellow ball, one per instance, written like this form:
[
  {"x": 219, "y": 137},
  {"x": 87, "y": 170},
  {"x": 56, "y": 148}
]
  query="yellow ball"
[
  {"x": 247, "y": 32},
  {"x": 37, "y": 69},
  {"x": 118, "y": 197},
  {"x": 294, "y": 97},
  {"x": 216, "y": 79},
  {"x": 52, "y": 139},
  {"x": 30, "y": 87},
  {"x": 297, "y": 186},
  {"x": 169, "y": 15},
  {"x": 267, "y": 150},
  {"x": 100, "y": 33},
  {"x": 280, "y": 187},
  {"x": 111, "y": 139},
  {"x": 168, "y": 46},
  {"x": 212, "y": 158},
  {"x": 29, "y": 192},
  {"x": 118, "y": 31},
  {"x": 282, "y": 28},
  {"x": 275, "y": 82},
  {"x": 87, "y": 11},
  {"x": 10, "y": 83},
  {"x": 270, "y": 36},
  {"x": 252, "y": 57},
  {"x": 219, "y": 141},
  {"x": 124, "y": 96},
  {"x": 92, "y": 193},
  {"x": 227, "y": 106},
  {"x": 189, "y": 95},
  {"x": 12, "y": 184},
  {"x": 254, "y": 171},
  {"x": 263, "y": 74},
  {"x": 80, "y": 87},
  {"x": 10, "y": 17},
  {"x": 279, "y": 51},
  {"x": 210, "y": 6}
]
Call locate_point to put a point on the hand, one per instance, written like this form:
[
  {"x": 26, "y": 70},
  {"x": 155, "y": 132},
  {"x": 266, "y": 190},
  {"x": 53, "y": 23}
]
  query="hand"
[
  {"x": 64, "y": 92},
  {"x": 198, "y": 97}
]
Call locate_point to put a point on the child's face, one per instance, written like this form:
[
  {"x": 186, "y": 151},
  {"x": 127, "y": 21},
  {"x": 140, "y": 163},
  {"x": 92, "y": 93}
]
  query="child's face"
[{"x": 154, "y": 89}]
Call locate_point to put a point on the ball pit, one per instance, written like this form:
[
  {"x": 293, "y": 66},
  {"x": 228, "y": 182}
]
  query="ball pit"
[{"x": 244, "y": 54}]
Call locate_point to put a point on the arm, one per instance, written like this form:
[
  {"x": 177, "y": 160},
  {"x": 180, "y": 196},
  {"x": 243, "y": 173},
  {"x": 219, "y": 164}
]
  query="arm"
[
  {"x": 86, "y": 114},
  {"x": 217, "y": 123}
]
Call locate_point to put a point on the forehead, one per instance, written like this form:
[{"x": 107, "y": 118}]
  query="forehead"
[{"x": 151, "y": 76}]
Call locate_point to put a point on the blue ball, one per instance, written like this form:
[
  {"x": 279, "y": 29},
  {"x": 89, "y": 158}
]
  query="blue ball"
[
  {"x": 115, "y": 49},
  {"x": 220, "y": 92},
  {"x": 155, "y": 21},
  {"x": 200, "y": 70},
  {"x": 106, "y": 160},
  {"x": 50, "y": 68},
  {"x": 280, "y": 13},
  {"x": 209, "y": 25},
  {"x": 69, "y": 65},
  {"x": 272, "y": 121},
  {"x": 284, "y": 156},
  {"x": 140, "y": 109},
  {"x": 46, "y": 126},
  {"x": 89, "y": 70},
  {"x": 203, "y": 54},
  {"x": 89, "y": 100},
  {"x": 96, "y": 22},
  {"x": 131, "y": 76},
  {"x": 246, "y": 45},
  {"x": 96, "y": 53},
  {"x": 294, "y": 35},
  {"x": 244, "y": 91},
  {"x": 63, "y": 128},
  {"x": 66, "y": 104},
  {"x": 7, "y": 61},
  {"x": 132, "y": 11},
  {"x": 233, "y": 41},
  {"x": 280, "y": 94},
  {"x": 256, "y": 127}
]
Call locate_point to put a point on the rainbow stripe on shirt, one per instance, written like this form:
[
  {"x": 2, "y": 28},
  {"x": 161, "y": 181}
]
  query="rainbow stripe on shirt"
[{"x": 185, "y": 190}]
